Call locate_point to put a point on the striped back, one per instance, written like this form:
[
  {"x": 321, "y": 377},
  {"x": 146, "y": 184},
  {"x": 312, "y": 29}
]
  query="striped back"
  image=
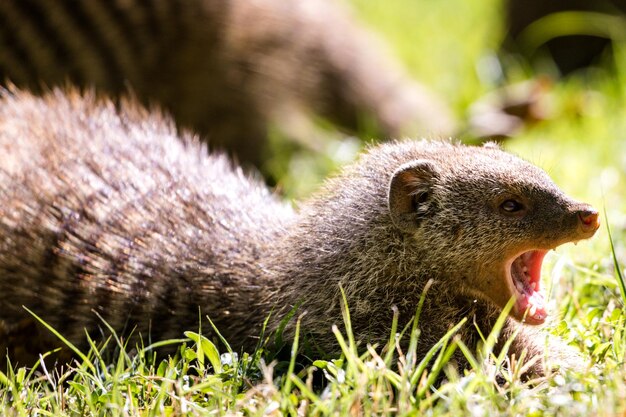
[{"x": 223, "y": 68}]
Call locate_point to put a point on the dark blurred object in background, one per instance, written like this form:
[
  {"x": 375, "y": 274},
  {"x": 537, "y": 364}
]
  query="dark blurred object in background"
[
  {"x": 574, "y": 33},
  {"x": 507, "y": 110},
  {"x": 227, "y": 69}
]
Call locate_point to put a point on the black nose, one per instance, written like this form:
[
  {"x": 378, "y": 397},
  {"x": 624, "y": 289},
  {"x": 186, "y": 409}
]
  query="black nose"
[{"x": 589, "y": 219}]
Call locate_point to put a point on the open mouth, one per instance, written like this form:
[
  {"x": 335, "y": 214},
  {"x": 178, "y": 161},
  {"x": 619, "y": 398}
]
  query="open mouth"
[{"x": 525, "y": 274}]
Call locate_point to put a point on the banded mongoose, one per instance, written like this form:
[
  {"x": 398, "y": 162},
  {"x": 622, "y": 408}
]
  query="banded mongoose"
[
  {"x": 107, "y": 209},
  {"x": 224, "y": 68}
]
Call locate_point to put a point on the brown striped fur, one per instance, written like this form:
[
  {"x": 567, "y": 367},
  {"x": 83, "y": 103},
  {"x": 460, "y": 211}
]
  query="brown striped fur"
[
  {"x": 106, "y": 209},
  {"x": 225, "y": 68}
]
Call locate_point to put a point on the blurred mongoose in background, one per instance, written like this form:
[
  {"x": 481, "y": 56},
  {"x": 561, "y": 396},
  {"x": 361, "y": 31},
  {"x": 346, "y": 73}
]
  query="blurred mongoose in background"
[
  {"x": 105, "y": 208},
  {"x": 228, "y": 69}
]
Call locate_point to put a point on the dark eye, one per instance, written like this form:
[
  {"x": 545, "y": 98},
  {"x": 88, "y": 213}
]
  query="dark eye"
[
  {"x": 420, "y": 198},
  {"x": 511, "y": 206}
]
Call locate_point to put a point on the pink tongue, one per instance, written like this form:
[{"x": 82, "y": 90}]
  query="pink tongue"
[
  {"x": 534, "y": 302},
  {"x": 533, "y": 262}
]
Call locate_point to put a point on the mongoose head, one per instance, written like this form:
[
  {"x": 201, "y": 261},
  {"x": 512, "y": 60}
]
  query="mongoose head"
[{"x": 486, "y": 219}]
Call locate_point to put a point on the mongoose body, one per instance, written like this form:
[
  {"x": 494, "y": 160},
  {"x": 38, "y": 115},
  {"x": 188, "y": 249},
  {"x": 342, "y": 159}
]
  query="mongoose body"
[
  {"x": 106, "y": 209},
  {"x": 224, "y": 68}
]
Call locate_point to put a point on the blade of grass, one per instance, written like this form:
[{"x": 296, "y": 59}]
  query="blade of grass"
[
  {"x": 345, "y": 312},
  {"x": 286, "y": 389},
  {"x": 443, "y": 358},
  {"x": 115, "y": 336},
  {"x": 70, "y": 345},
  {"x": 219, "y": 335},
  {"x": 618, "y": 269},
  {"x": 306, "y": 392},
  {"x": 206, "y": 348},
  {"x": 392, "y": 337},
  {"x": 431, "y": 352},
  {"x": 492, "y": 338},
  {"x": 467, "y": 352},
  {"x": 97, "y": 354},
  {"x": 278, "y": 336},
  {"x": 415, "y": 330},
  {"x": 37, "y": 364}
]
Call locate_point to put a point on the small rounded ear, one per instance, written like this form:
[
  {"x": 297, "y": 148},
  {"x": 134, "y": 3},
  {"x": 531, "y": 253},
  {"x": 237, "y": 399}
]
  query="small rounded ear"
[{"x": 410, "y": 193}]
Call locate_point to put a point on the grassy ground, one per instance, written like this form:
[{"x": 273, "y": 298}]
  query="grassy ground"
[{"x": 582, "y": 145}]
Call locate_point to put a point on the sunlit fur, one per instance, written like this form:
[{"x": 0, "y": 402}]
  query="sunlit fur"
[
  {"x": 107, "y": 209},
  {"x": 344, "y": 235}
]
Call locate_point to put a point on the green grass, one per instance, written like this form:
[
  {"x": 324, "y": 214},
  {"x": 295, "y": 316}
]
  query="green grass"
[
  {"x": 203, "y": 378},
  {"x": 583, "y": 147}
]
